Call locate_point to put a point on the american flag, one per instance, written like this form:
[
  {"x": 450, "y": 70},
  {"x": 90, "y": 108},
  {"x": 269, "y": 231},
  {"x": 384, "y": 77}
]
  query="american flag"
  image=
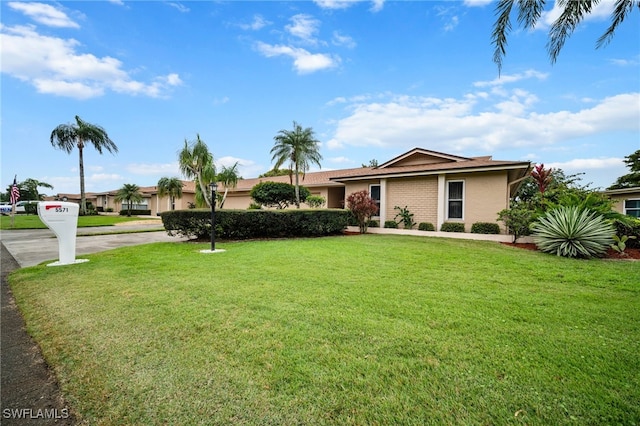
[{"x": 15, "y": 192}]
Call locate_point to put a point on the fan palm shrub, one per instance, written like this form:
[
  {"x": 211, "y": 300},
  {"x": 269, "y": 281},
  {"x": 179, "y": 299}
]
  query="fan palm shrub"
[{"x": 573, "y": 232}]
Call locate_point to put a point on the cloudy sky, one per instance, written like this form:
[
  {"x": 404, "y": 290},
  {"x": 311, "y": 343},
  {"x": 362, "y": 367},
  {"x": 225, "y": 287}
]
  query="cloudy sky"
[{"x": 372, "y": 78}]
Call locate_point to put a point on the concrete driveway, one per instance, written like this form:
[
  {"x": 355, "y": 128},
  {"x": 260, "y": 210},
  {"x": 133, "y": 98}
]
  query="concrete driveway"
[{"x": 31, "y": 247}]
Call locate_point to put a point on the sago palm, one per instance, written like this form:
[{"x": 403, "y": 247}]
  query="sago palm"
[
  {"x": 299, "y": 147},
  {"x": 77, "y": 135}
]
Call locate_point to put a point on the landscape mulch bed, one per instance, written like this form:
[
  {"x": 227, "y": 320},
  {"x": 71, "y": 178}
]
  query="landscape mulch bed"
[{"x": 629, "y": 253}]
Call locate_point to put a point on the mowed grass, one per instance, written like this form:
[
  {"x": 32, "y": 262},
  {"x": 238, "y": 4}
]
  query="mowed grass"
[
  {"x": 357, "y": 330},
  {"x": 24, "y": 221}
]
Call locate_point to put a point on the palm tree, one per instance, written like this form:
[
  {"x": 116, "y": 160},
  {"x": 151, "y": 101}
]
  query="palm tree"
[
  {"x": 229, "y": 177},
  {"x": 68, "y": 136},
  {"x": 300, "y": 148},
  {"x": 572, "y": 14},
  {"x": 30, "y": 186},
  {"x": 196, "y": 162},
  {"x": 171, "y": 187},
  {"x": 130, "y": 192}
]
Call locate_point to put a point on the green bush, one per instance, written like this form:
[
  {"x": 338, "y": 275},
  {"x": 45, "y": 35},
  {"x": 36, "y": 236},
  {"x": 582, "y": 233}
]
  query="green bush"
[
  {"x": 573, "y": 232},
  {"x": 254, "y": 206},
  {"x": 630, "y": 227},
  {"x": 315, "y": 201},
  {"x": 518, "y": 220},
  {"x": 125, "y": 212},
  {"x": 485, "y": 228},
  {"x": 391, "y": 224},
  {"x": 246, "y": 224},
  {"x": 373, "y": 223},
  {"x": 426, "y": 226},
  {"x": 406, "y": 217},
  {"x": 452, "y": 227},
  {"x": 277, "y": 194}
]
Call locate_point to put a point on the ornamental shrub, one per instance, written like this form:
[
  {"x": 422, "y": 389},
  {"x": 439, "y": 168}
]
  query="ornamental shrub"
[
  {"x": 315, "y": 201},
  {"x": 573, "y": 232},
  {"x": 246, "y": 224},
  {"x": 277, "y": 194},
  {"x": 391, "y": 224},
  {"x": 373, "y": 223},
  {"x": 405, "y": 217},
  {"x": 518, "y": 220},
  {"x": 362, "y": 207},
  {"x": 426, "y": 226},
  {"x": 452, "y": 227},
  {"x": 630, "y": 227},
  {"x": 485, "y": 228}
]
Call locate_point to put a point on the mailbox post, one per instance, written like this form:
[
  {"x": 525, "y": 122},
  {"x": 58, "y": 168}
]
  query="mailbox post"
[{"x": 62, "y": 218}]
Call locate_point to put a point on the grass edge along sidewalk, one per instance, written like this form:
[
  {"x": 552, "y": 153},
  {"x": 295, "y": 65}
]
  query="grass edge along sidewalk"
[{"x": 340, "y": 330}]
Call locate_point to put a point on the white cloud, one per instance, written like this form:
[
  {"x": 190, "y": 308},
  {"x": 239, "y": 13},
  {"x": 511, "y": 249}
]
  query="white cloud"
[
  {"x": 181, "y": 8},
  {"x": 343, "y": 40},
  {"x": 246, "y": 168},
  {"x": 118, "y": 2},
  {"x": 150, "y": 169},
  {"x": 44, "y": 14},
  {"x": 460, "y": 125},
  {"x": 476, "y": 3},
  {"x": 600, "y": 11},
  {"x": 506, "y": 78},
  {"x": 335, "y": 4},
  {"x": 53, "y": 66},
  {"x": 257, "y": 24},
  {"x": 303, "y": 61},
  {"x": 588, "y": 163},
  {"x": 452, "y": 24},
  {"x": 304, "y": 27},
  {"x": 340, "y": 160}
]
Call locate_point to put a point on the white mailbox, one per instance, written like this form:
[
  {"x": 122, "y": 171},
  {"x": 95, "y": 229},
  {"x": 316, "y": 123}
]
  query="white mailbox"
[{"x": 62, "y": 218}]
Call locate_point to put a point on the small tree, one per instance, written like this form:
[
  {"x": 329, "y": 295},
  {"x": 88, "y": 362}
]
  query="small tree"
[
  {"x": 130, "y": 192},
  {"x": 315, "y": 201},
  {"x": 171, "y": 187},
  {"x": 277, "y": 194},
  {"x": 362, "y": 206},
  {"x": 517, "y": 219}
]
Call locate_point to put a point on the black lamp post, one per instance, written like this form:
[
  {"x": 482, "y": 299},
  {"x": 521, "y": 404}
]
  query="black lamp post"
[{"x": 214, "y": 187}]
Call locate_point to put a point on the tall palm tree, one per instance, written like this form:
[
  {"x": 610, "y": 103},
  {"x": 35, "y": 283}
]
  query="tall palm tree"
[
  {"x": 573, "y": 12},
  {"x": 130, "y": 192},
  {"x": 229, "y": 177},
  {"x": 196, "y": 162},
  {"x": 300, "y": 148},
  {"x": 68, "y": 136},
  {"x": 171, "y": 187}
]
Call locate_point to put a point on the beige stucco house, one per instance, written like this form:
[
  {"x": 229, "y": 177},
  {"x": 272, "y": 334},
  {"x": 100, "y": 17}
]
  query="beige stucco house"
[
  {"x": 434, "y": 186},
  {"x": 627, "y": 200}
]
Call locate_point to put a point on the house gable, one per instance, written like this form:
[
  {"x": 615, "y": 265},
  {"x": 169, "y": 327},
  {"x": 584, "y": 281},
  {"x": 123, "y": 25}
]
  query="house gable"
[{"x": 419, "y": 156}]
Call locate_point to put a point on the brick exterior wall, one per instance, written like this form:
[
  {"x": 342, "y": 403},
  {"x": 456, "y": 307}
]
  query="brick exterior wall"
[{"x": 419, "y": 194}]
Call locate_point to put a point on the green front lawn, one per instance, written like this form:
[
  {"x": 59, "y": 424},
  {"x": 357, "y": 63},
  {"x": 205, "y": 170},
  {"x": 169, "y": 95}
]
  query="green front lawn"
[
  {"x": 30, "y": 221},
  {"x": 366, "y": 329}
]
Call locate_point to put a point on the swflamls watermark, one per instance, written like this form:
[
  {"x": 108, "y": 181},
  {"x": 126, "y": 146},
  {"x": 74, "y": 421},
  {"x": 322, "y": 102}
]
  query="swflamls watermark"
[{"x": 30, "y": 413}]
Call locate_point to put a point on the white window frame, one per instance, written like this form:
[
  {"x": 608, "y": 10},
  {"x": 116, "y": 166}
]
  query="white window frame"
[
  {"x": 627, "y": 210},
  {"x": 379, "y": 201},
  {"x": 462, "y": 200}
]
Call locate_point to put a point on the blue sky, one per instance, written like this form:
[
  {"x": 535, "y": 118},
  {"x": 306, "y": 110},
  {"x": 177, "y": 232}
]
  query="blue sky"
[{"x": 372, "y": 78}]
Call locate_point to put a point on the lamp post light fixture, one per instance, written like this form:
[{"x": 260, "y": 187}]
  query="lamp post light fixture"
[{"x": 214, "y": 187}]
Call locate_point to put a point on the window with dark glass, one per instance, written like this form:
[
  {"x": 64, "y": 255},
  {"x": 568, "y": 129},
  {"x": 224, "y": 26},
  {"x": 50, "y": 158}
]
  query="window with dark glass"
[
  {"x": 374, "y": 193},
  {"x": 455, "y": 201},
  {"x": 632, "y": 208}
]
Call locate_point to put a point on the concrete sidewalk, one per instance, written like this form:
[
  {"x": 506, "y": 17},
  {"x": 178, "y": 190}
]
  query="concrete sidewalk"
[{"x": 30, "y": 247}]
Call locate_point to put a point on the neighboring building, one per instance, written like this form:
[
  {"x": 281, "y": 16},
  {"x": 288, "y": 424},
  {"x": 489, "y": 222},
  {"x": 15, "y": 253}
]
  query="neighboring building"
[
  {"x": 434, "y": 186},
  {"x": 627, "y": 200}
]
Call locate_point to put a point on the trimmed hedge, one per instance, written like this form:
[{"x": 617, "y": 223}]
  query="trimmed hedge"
[
  {"x": 485, "y": 228},
  {"x": 452, "y": 227},
  {"x": 391, "y": 224},
  {"x": 247, "y": 224},
  {"x": 134, "y": 212},
  {"x": 426, "y": 226}
]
